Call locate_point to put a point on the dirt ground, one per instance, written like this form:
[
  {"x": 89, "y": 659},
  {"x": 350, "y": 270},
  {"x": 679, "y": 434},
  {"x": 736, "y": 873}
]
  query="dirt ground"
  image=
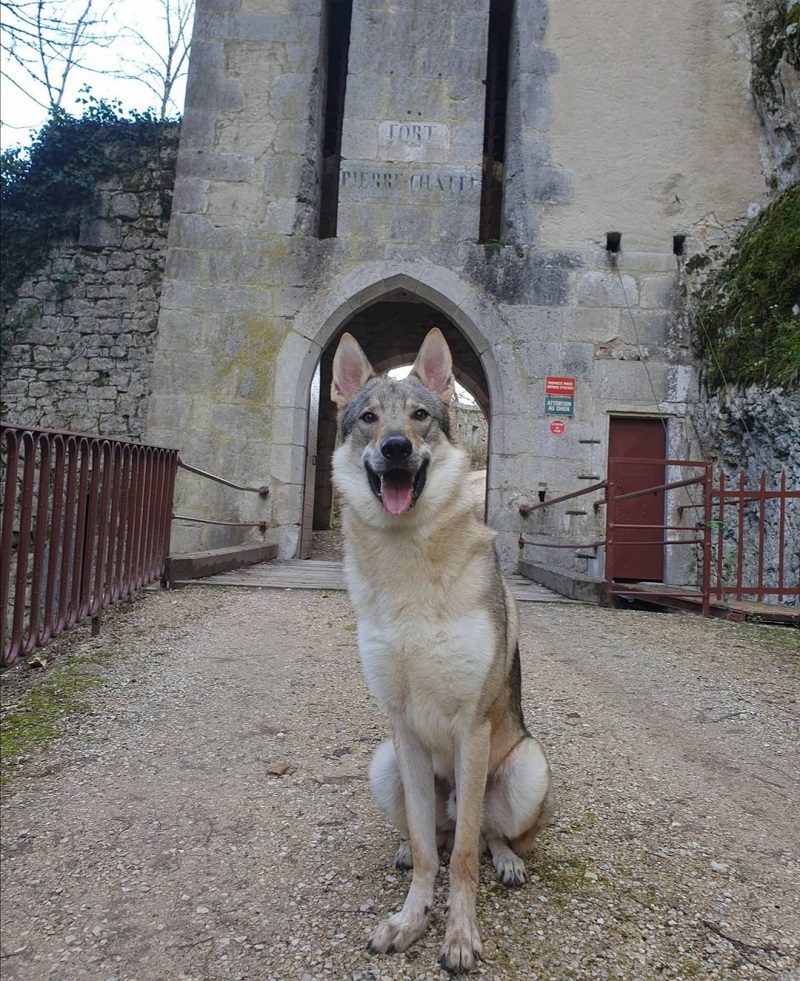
[{"x": 206, "y": 815}]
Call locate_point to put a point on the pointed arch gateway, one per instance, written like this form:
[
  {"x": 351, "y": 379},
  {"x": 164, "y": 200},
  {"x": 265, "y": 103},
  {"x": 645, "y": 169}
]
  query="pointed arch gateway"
[{"x": 390, "y": 318}]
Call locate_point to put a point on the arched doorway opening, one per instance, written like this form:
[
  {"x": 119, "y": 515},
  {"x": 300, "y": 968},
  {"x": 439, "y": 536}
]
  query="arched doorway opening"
[{"x": 390, "y": 330}]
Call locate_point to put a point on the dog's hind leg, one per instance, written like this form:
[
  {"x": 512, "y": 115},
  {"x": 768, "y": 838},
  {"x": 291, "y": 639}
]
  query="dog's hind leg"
[
  {"x": 518, "y": 803},
  {"x": 387, "y": 789}
]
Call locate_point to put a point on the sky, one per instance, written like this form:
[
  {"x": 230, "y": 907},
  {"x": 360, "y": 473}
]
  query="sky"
[{"x": 20, "y": 115}]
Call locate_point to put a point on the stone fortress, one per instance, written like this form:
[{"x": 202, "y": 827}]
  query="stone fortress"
[
  {"x": 534, "y": 178},
  {"x": 529, "y": 176}
]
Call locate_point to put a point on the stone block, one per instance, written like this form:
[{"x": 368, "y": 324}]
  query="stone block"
[
  {"x": 659, "y": 292},
  {"x": 601, "y": 289},
  {"x": 596, "y": 324},
  {"x": 360, "y": 140},
  {"x": 552, "y": 185},
  {"x": 630, "y": 385},
  {"x": 198, "y": 232},
  {"x": 289, "y": 424},
  {"x": 645, "y": 326},
  {"x": 199, "y": 565},
  {"x": 100, "y": 233},
  {"x": 638, "y": 262},
  {"x": 190, "y": 195},
  {"x": 123, "y": 206},
  {"x": 410, "y": 224},
  {"x": 279, "y": 218},
  {"x": 297, "y": 359}
]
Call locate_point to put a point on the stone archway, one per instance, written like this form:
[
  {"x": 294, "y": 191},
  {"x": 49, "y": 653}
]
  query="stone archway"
[
  {"x": 431, "y": 295},
  {"x": 390, "y": 331}
]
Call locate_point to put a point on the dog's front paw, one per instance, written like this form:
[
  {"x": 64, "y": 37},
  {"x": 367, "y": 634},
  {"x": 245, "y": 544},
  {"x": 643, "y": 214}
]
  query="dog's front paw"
[
  {"x": 462, "y": 949},
  {"x": 397, "y": 933}
]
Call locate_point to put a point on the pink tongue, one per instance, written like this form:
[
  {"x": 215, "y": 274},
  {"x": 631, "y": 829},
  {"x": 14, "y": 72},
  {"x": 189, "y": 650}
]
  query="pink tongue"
[{"x": 397, "y": 490}]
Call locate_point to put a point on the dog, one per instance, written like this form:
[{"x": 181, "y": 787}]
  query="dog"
[{"x": 437, "y": 634}]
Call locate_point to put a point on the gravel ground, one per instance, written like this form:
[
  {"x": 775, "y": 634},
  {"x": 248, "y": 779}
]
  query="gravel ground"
[{"x": 207, "y": 815}]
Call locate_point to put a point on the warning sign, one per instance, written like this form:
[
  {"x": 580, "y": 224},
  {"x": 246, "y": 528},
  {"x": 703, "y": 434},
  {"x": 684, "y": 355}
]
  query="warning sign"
[
  {"x": 559, "y": 385},
  {"x": 557, "y": 427},
  {"x": 559, "y": 405}
]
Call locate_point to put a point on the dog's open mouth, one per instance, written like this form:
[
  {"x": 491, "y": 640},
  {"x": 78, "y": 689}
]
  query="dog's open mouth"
[{"x": 397, "y": 489}]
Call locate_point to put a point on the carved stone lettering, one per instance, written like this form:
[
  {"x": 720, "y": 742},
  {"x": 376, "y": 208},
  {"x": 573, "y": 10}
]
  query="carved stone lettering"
[
  {"x": 414, "y": 141},
  {"x": 441, "y": 182}
]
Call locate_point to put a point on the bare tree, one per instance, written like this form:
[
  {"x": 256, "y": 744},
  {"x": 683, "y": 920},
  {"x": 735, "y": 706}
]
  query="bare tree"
[
  {"x": 164, "y": 53},
  {"x": 49, "y": 40}
]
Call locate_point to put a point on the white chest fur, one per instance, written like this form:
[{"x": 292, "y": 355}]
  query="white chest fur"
[{"x": 426, "y": 650}]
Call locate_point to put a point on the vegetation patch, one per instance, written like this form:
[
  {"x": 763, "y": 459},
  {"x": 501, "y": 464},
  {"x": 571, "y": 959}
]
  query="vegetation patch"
[
  {"x": 563, "y": 877},
  {"x": 747, "y": 313},
  {"x": 47, "y": 188},
  {"x": 37, "y": 717}
]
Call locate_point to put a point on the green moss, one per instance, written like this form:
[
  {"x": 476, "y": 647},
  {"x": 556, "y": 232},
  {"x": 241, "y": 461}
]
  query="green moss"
[
  {"x": 562, "y": 877},
  {"x": 38, "y": 717},
  {"x": 746, "y": 318}
]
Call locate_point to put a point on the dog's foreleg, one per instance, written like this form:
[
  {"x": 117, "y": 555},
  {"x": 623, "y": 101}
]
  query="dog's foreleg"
[
  {"x": 462, "y": 942},
  {"x": 416, "y": 769}
]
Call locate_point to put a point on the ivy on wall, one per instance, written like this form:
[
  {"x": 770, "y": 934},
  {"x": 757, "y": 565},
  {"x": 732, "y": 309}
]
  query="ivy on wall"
[
  {"x": 747, "y": 314},
  {"x": 46, "y": 189}
]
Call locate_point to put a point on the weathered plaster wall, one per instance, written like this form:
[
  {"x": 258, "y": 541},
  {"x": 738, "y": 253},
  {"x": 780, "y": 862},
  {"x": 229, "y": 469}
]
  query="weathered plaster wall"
[
  {"x": 632, "y": 118},
  {"x": 651, "y": 112},
  {"x": 82, "y": 329}
]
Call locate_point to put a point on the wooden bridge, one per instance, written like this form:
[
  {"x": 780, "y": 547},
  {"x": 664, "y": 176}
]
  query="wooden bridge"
[{"x": 329, "y": 575}]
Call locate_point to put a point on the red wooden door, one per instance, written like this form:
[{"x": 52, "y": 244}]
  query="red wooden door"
[{"x": 630, "y": 438}]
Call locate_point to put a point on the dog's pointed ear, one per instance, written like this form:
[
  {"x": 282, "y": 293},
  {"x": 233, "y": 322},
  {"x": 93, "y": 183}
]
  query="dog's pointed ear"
[
  {"x": 434, "y": 366},
  {"x": 350, "y": 370}
]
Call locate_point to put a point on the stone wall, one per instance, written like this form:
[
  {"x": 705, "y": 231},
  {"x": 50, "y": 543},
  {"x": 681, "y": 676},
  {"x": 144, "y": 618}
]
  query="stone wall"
[
  {"x": 81, "y": 333},
  {"x": 604, "y": 135},
  {"x": 470, "y": 428}
]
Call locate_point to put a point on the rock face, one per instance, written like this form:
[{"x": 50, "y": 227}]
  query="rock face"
[
  {"x": 752, "y": 432},
  {"x": 82, "y": 329},
  {"x": 775, "y": 33}
]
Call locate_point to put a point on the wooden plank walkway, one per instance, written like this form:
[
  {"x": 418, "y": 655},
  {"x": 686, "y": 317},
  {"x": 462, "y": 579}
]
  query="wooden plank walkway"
[
  {"x": 727, "y": 609},
  {"x": 328, "y": 575}
]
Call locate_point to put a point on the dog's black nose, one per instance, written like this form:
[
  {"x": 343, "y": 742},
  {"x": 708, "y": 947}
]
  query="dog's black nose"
[{"x": 396, "y": 448}]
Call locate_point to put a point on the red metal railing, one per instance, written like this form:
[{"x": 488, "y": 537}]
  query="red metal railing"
[
  {"x": 85, "y": 522},
  {"x": 730, "y": 536},
  {"x": 750, "y": 527}
]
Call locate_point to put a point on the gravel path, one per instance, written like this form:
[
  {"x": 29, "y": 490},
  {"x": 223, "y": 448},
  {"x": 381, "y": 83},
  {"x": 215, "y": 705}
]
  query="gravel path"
[{"x": 207, "y": 815}]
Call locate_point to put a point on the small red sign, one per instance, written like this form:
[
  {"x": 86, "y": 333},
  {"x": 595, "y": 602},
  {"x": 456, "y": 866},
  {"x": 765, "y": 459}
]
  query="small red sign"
[
  {"x": 557, "y": 427},
  {"x": 559, "y": 385}
]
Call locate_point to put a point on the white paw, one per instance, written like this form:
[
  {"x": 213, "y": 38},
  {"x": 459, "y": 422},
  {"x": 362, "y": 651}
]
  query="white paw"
[
  {"x": 462, "y": 948},
  {"x": 402, "y": 858},
  {"x": 397, "y": 933},
  {"x": 510, "y": 870},
  {"x": 509, "y": 866}
]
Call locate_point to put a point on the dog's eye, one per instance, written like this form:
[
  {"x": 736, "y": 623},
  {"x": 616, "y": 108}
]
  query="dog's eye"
[
  {"x": 420, "y": 415},
  {"x": 368, "y": 417}
]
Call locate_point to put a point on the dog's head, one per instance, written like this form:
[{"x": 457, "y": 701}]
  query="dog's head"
[{"x": 392, "y": 430}]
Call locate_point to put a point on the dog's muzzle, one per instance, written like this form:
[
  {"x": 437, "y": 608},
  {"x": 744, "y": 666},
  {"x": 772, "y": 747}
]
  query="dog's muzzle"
[{"x": 398, "y": 485}]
